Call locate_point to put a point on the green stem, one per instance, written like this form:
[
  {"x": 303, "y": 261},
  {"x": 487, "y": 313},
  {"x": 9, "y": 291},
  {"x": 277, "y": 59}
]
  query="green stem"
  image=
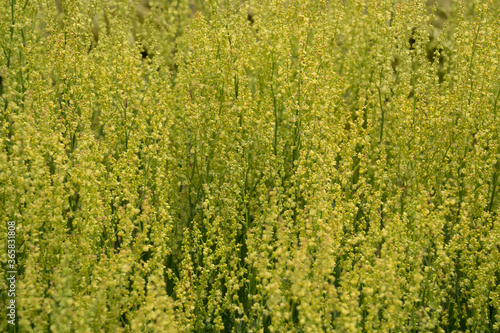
[{"x": 381, "y": 108}]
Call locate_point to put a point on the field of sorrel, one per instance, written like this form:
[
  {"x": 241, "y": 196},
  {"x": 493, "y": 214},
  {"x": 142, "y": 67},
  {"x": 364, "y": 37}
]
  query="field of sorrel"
[{"x": 250, "y": 166}]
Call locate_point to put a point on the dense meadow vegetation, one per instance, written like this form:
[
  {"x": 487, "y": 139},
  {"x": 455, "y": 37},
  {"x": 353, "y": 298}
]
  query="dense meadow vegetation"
[{"x": 251, "y": 166}]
